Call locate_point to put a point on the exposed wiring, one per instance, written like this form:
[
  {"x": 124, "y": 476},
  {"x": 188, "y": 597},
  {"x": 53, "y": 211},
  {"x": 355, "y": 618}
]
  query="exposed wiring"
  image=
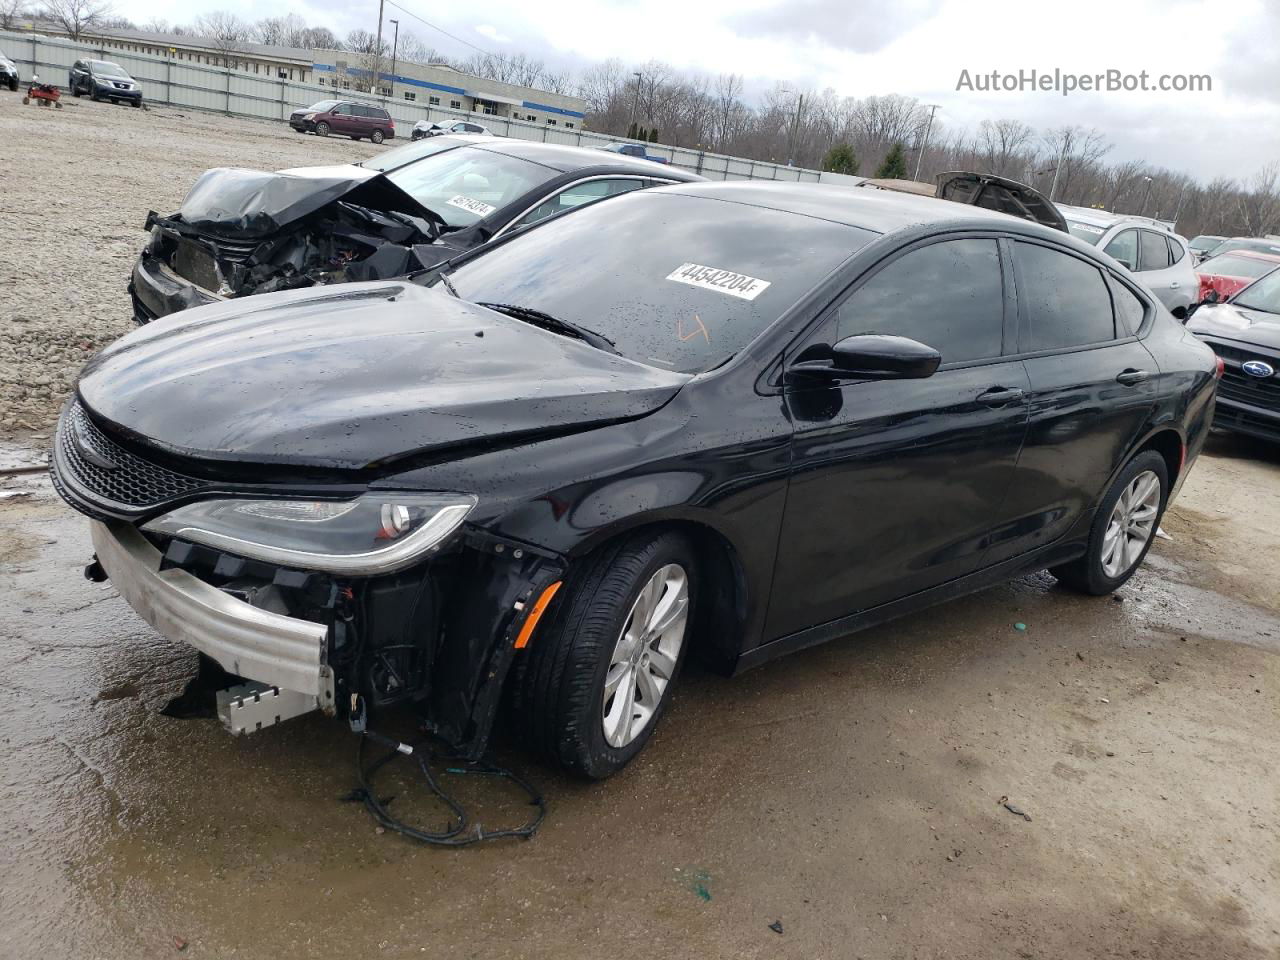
[{"x": 459, "y": 832}]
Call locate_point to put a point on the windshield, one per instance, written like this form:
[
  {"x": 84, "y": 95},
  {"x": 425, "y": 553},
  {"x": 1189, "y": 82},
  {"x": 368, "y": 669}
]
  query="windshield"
[
  {"x": 1263, "y": 295},
  {"x": 467, "y": 184},
  {"x": 1262, "y": 246},
  {"x": 324, "y": 106},
  {"x": 101, "y": 68},
  {"x": 1085, "y": 231},
  {"x": 675, "y": 281},
  {"x": 1229, "y": 266},
  {"x": 1202, "y": 243}
]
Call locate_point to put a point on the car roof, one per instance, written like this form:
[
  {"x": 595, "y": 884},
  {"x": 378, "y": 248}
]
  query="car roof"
[
  {"x": 1105, "y": 218},
  {"x": 567, "y": 158},
  {"x": 1250, "y": 254},
  {"x": 879, "y": 211}
]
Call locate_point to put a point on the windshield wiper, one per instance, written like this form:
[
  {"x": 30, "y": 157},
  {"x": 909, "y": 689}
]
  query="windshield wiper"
[
  {"x": 547, "y": 322},
  {"x": 448, "y": 284}
]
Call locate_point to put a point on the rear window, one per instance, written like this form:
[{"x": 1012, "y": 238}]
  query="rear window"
[
  {"x": 676, "y": 282},
  {"x": 1229, "y": 266}
]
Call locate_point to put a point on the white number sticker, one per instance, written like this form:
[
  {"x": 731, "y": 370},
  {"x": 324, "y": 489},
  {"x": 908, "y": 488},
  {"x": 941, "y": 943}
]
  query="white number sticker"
[
  {"x": 478, "y": 207},
  {"x": 721, "y": 281}
]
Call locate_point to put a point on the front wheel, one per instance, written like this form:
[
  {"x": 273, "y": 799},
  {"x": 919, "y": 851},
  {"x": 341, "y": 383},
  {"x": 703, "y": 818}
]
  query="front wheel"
[
  {"x": 1123, "y": 528},
  {"x": 322, "y": 129},
  {"x": 377, "y": 136},
  {"x": 596, "y": 683}
]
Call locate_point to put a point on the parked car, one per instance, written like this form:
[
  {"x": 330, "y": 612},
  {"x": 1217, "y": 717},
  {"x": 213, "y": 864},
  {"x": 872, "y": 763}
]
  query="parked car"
[
  {"x": 1201, "y": 245},
  {"x": 1256, "y": 244},
  {"x": 1226, "y": 274},
  {"x": 1244, "y": 332},
  {"x": 636, "y": 150},
  {"x": 103, "y": 80},
  {"x": 1158, "y": 257},
  {"x": 724, "y": 419},
  {"x": 241, "y": 232},
  {"x": 344, "y": 118},
  {"x": 428, "y": 128},
  {"x": 9, "y": 76}
]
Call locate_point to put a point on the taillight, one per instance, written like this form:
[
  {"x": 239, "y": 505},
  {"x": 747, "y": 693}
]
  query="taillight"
[{"x": 1219, "y": 368}]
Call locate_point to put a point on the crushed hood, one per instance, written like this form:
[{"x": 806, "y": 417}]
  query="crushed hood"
[
  {"x": 1230, "y": 322},
  {"x": 998, "y": 193},
  {"x": 350, "y": 377},
  {"x": 234, "y": 202}
]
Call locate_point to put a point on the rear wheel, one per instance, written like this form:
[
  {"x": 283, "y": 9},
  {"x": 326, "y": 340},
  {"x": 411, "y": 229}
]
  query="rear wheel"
[
  {"x": 596, "y": 683},
  {"x": 322, "y": 129},
  {"x": 377, "y": 136},
  {"x": 1123, "y": 528}
]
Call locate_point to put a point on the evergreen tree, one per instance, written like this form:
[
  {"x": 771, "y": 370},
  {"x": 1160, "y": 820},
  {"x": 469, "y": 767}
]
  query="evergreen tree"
[
  {"x": 653, "y": 135},
  {"x": 631, "y": 131},
  {"x": 841, "y": 159},
  {"x": 641, "y": 134},
  {"x": 894, "y": 166}
]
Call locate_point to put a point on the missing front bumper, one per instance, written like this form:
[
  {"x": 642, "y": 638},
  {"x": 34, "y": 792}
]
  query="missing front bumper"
[{"x": 282, "y": 654}]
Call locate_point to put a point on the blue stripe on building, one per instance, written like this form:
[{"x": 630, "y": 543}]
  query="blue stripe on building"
[{"x": 459, "y": 91}]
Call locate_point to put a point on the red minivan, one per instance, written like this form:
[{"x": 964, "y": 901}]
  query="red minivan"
[{"x": 345, "y": 118}]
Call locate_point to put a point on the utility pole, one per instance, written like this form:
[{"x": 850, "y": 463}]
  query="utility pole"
[
  {"x": 377, "y": 54},
  {"x": 1053, "y": 187},
  {"x": 933, "y": 107},
  {"x": 395, "y": 45},
  {"x": 795, "y": 128},
  {"x": 635, "y": 100},
  {"x": 1146, "y": 196}
]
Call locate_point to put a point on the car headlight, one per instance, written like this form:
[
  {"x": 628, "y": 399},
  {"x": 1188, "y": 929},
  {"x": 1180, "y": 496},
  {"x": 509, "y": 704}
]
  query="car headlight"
[{"x": 373, "y": 534}]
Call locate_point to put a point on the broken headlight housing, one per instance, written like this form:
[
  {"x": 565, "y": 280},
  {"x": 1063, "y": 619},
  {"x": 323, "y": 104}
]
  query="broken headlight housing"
[{"x": 374, "y": 534}]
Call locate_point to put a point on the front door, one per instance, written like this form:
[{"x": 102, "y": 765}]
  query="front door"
[{"x": 895, "y": 484}]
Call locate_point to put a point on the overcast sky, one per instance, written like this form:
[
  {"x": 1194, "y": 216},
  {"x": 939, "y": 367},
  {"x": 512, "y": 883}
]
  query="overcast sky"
[{"x": 912, "y": 47}]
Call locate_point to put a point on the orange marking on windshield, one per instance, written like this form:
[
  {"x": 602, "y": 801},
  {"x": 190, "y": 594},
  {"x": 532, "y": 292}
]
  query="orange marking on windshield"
[{"x": 689, "y": 336}]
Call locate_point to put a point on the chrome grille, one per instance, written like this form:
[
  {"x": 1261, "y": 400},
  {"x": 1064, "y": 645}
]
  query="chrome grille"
[
  {"x": 234, "y": 251},
  {"x": 129, "y": 481}
]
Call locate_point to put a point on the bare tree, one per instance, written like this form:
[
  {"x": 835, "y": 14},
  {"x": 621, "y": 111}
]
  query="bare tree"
[
  {"x": 11, "y": 11},
  {"x": 369, "y": 57},
  {"x": 226, "y": 33},
  {"x": 319, "y": 38},
  {"x": 156, "y": 25},
  {"x": 727, "y": 102},
  {"x": 286, "y": 31},
  {"x": 1002, "y": 144},
  {"x": 76, "y": 16}
]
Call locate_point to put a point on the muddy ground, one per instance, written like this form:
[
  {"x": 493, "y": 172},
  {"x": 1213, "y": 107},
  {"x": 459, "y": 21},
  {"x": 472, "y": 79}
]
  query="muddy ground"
[
  {"x": 850, "y": 792},
  {"x": 75, "y": 188}
]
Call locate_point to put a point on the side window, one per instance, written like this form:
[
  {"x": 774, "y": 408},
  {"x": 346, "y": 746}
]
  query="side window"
[
  {"x": 1130, "y": 311},
  {"x": 1066, "y": 299},
  {"x": 1124, "y": 248},
  {"x": 343, "y": 110},
  {"x": 1176, "y": 250},
  {"x": 577, "y": 195},
  {"x": 1155, "y": 251},
  {"x": 948, "y": 295}
]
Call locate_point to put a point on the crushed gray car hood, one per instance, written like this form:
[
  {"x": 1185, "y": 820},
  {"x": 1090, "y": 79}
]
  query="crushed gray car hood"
[{"x": 1230, "y": 322}]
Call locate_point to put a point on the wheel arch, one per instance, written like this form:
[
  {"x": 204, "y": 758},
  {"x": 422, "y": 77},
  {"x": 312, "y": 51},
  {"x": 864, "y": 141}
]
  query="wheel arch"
[{"x": 1169, "y": 442}]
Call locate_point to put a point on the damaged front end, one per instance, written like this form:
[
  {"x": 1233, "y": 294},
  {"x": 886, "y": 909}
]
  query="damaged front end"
[{"x": 243, "y": 232}]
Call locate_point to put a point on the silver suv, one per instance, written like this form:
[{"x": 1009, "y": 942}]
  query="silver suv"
[{"x": 1153, "y": 253}]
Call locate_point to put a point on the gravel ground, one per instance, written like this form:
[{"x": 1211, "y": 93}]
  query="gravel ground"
[{"x": 75, "y": 188}]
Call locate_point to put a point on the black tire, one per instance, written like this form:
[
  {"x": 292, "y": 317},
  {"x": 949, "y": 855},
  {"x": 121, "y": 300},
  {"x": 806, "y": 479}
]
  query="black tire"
[
  {"x": 322, "y": 129},
  {"x": 75, "y": 91},
  {"x": 137, "y": 103},
  {"x": 558, "y": 689},
  {"x": 354, "y": 137},
  {"x": 1086, "y": 574},
  {"x": 377, "y": 136}
]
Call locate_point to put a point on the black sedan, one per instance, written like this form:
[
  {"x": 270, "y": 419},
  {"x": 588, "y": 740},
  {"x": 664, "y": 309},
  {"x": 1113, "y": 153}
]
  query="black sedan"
[
  {"x": 1245, "y": 333},
  {"x": 730, "y": 420},
  {"x": 8, "y": 73},
  {"x": 241, "y": 232}
]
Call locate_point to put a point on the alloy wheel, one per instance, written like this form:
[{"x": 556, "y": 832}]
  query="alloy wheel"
[
  {"x": 645, "y": 655},
  {"x": 1131, "y": 525}
]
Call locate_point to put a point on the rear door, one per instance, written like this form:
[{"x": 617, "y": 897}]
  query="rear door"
[
  {"x": 1093, "y": 390},
  {"x": 896, "y": 484},
  {"x": 1154, "y": 263}
]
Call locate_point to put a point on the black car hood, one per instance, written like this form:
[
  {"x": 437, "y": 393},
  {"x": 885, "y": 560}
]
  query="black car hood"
[
  {"x": 1232, "y": 322},
  {"x": 352, "y": 377},
  {"x": 1001, "y": 194},
  {"x": 234, "y": 202}
]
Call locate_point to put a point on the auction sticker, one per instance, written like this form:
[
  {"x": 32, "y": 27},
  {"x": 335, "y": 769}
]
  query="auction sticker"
[
  {"x": 721, "y": 281},
  {"x": 478, "y": 207}
]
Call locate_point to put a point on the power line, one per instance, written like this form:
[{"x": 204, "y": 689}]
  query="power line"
[{"x": 465, "y": 43}]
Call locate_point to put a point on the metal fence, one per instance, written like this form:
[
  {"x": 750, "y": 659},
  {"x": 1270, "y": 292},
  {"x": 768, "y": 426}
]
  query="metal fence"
[{"x": 180, "y": 83}]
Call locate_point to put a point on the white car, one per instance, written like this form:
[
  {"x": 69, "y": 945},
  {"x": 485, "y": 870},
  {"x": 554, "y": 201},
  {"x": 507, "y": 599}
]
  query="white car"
[
  {"x": 429, "y": 128},
  {"x": 1156, "y": 255}
]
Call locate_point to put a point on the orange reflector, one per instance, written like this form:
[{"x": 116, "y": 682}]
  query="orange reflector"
[{"x": 522, "y": 640}]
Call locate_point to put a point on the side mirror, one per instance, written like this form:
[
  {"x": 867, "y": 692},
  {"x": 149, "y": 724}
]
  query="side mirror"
[
  {"x": 1212, "y": 296},
  {"x": 873, "y": 356}
]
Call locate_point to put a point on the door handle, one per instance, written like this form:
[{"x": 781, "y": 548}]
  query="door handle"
[
  {"x": 999, "y": 396},
  {"x": 1131, "y": 377},
  {"x": 1173, "y": 285}
]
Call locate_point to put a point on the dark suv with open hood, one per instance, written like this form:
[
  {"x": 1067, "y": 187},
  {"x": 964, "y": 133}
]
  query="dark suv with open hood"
[
  {"x": 728, "y": 419},
  {"x": 242, "y": 232}
]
